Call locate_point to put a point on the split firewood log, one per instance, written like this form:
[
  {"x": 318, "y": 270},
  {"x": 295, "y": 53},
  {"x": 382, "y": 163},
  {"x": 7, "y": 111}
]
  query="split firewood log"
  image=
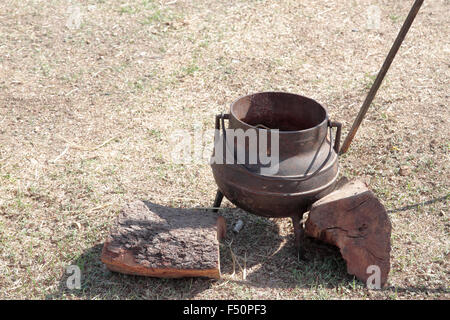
[
  {"x": 152, "y": 240},
  {"x": 353, "y": 219}
]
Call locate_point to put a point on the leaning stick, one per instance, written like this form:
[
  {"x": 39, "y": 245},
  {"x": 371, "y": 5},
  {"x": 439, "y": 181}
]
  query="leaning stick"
[{"x": 387, "y": 63}]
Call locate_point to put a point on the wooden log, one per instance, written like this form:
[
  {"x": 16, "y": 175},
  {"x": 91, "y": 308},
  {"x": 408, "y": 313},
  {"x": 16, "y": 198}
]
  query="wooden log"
[
  {"x": 353, "y": 219},
  {"x": 151, "y": 240}
]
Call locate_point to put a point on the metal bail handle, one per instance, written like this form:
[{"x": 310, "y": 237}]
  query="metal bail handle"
[
  {"x": 337, "y": 140},
  {"x": 331, "y": 124}
]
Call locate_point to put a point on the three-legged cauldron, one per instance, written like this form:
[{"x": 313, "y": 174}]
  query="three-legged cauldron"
[{"x": 307, "y": 160}]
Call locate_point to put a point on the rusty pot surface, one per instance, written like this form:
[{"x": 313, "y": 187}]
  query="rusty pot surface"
[{"x": 308, "y": 162}]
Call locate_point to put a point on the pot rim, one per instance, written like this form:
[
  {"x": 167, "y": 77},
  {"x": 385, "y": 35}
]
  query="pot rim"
[{"x": 280, "y": 131}]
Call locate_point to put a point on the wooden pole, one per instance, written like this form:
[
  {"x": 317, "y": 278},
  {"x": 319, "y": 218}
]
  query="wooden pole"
[{"x": 387, "y": 63}]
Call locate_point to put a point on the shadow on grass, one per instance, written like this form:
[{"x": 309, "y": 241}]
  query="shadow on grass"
[
  {"x": 269, "y": 258},
  {"x": 97, "y": 282},
  {"x": 277, "y": 265},
  {"x": 420, "y": 204},
  {"x": 259, "y": 241},
  {"x": 272, "y": 258}
]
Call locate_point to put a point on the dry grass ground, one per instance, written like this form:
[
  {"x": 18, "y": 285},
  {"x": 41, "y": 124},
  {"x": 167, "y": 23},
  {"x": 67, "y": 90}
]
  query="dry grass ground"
[{"x": 86, "y": 117}]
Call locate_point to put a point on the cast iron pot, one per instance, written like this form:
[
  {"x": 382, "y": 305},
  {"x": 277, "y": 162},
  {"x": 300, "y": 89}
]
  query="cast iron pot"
[{"x": 308, "y": 160}]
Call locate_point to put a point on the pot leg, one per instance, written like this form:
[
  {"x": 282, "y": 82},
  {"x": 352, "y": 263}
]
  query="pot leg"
[
  {"x": 217, "y": 201},
  {"x": 299, "y": 234}
]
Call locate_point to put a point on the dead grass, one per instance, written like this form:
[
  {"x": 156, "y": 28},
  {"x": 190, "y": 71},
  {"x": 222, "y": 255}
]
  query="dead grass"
[{"x": 86, "y": 117}]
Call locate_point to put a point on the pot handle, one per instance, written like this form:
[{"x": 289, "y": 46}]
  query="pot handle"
[
  {"x": 337, "y": 140},
  {"x": 221, "y": 116}
]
